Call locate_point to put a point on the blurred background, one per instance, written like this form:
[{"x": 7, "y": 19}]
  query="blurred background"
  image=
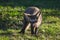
[{"x": 11, "y": 16}]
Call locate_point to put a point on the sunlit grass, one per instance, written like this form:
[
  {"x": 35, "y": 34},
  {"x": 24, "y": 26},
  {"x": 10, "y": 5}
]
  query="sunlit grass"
[{"x": 4, "y": 38}]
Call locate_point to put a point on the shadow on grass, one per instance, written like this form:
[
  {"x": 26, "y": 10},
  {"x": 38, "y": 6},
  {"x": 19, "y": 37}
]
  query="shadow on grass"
[
  {"x": 53, "y": 4},
  {"x": 7, "y": 34}
]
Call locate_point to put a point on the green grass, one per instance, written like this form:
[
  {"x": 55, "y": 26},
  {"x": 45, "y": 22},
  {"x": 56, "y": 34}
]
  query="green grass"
[
  {"x": 50, "y": 28},
  {"x": 4, "y": 38}
]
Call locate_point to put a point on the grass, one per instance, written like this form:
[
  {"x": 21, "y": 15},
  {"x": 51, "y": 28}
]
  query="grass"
[
  {"x": 11, "y": 15},
  {"x": 49, "y": 30}
]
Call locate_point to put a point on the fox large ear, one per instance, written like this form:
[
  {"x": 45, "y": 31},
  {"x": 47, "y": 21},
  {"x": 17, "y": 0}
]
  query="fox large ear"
[{"x": 26, "y": 14}]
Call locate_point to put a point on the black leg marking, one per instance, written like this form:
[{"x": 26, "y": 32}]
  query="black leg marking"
[
  {"x": 32, "y": 29},
  {"x": 36, "y": 31},
  {"x": 25, "y": 23}
]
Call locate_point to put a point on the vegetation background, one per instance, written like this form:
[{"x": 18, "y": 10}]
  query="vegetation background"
[{"x": 11, "y": 14}]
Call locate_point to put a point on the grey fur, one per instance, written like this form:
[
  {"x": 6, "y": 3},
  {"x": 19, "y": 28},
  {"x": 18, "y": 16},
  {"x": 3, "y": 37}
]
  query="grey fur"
[{"x": 33, "y": 18}]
